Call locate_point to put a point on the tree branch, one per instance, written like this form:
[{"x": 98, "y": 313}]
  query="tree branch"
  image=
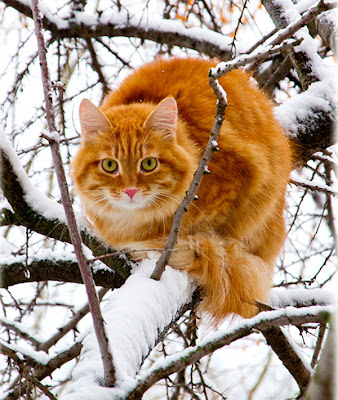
[
  {"x": 18, "y": 190},
  {"x": 42, "y": 371},
  {"x": 201, "y": 170},
  {"x": 86, "y": 273},
  {"x": 261, "y": 322},
  {"x": 40, "y": 270},
  {"x": 280, "y": 344},
  {"x": 120, "y": 25}
]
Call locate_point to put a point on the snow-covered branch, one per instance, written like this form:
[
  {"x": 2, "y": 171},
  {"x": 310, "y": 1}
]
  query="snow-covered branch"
[
  {"x": 34, "y": 210},
  {"x": 115, "y": 23},
  {"x": 262, "y": 322},
  {"x": 53, "y": 269}
]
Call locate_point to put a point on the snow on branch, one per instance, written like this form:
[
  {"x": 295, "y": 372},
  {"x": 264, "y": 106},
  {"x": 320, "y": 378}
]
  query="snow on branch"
[
  {"x": 134, "y": 316},
  {"x": 137, "y": 311},
  {"x": 261, "y": 322},
  {"x": 122, "y": 23},
  {"x": 307, "y": 62},
  {"x": 33, "y": 209},
  {"x": 309, "y": 118}
]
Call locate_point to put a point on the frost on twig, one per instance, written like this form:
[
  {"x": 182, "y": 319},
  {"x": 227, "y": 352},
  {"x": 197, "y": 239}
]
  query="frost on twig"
[{"x": 107, "y": 359}]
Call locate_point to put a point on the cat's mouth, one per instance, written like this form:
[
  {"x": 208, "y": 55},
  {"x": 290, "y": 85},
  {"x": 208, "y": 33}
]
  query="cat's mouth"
[{"x": 126, "y": 203}]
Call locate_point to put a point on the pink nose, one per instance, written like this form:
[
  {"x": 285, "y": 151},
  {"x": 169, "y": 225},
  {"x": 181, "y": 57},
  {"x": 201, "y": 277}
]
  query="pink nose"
[{"x": 130, "y": 192}]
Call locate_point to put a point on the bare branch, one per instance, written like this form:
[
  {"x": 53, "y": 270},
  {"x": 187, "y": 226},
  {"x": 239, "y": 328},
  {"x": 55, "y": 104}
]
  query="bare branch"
[
  {"x": 107, "y": 358},
  {"x": 314, "y": 187}
]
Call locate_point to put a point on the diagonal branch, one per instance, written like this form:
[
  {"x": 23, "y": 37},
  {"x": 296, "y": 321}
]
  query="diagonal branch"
[
  {"x": 281, "y": 345},
  {"x": 264, "y": 321},
  {"x": 201, "y": 170}
]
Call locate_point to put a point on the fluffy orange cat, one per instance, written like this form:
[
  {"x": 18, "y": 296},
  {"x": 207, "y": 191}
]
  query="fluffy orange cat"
[{"x": 138, "y": 155}]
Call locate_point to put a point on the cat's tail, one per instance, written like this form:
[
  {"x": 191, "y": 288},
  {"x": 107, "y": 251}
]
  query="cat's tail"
[{"x": 232, "y": 278}]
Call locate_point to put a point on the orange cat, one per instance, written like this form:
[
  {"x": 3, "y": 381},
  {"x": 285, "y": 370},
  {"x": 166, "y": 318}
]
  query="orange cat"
[{"x": 139, "y": 152}]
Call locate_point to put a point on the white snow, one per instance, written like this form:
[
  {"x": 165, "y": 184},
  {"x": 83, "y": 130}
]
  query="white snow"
[
  {"x": 134, "y": 315},
  {"x": 320, "y": 96},
  {"x": 35, "y": 198},
  {"x": 217, "y": 337},
  {"x": 39, "y": 356},
  {"x": 281, "y": 298}
]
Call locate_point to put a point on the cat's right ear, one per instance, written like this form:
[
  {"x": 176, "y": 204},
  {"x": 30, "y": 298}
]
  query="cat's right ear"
[
  {"x": 163, "y": 118},
  {"x": 92, "y": 120}
]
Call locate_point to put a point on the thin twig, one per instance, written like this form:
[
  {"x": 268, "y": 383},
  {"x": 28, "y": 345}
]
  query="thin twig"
[
  {"x": 319, "y": 344},
  {"x": 61, "y": 332},
  {"x": 291, "y": 29},
  {"x": 268, "y": 51},
  {"x": 201, "y": 170},
  {"x": 314, "y": 188},
  {"x": 53, "y": 138}
]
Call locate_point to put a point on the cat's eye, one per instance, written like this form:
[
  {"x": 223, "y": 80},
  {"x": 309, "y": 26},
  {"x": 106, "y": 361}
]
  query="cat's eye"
[
  {"x": 149, "y": 164},
  {"x": 109, "y": 165}
]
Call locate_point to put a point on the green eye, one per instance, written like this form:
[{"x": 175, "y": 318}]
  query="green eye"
[
  {"x": 149, "y": 164},
  {"x": 109, "y": 165}
]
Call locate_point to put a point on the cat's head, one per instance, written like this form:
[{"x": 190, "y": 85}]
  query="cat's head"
[{"x": 131, "y": 159}]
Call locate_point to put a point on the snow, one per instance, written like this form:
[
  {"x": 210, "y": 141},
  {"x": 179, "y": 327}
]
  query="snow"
[
  {"x": 37, "y": 200},
  {"x": 320, "y": 96},
  {"x": 40, "y": 357},
  {"x": 281, "y": 298},
  {"x": 134, "y": 316},
  {"x": 218, "y": 339}
]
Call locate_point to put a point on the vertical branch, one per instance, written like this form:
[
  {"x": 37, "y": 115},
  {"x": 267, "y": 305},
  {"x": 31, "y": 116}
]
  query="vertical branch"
[
  {"x": 53, "y": 138},
  {"x": 202, "y": 169}
]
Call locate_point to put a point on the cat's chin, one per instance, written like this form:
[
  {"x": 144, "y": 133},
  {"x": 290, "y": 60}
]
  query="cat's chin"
[{"x": 130, "y": 205}]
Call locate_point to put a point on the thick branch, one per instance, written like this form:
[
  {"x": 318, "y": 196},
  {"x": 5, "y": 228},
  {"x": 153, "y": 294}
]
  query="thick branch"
[
  {"x": 51, "y": 270},
  {"x": 26, "y": 215},
  {"x": 280, "y": 344},
  {"x": 119, "y": 25}
]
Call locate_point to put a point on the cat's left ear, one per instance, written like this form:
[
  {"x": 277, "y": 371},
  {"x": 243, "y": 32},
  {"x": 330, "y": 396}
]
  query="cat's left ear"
[
  {"x": 92, "y": 120},
  {"x": 163, "y": 118}
]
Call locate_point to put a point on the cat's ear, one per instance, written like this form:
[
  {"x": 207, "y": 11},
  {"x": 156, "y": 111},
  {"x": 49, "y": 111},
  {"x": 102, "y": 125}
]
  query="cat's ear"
[
  {"x": 163, "y": 118},
  {"x": 92, "y": 120}
]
